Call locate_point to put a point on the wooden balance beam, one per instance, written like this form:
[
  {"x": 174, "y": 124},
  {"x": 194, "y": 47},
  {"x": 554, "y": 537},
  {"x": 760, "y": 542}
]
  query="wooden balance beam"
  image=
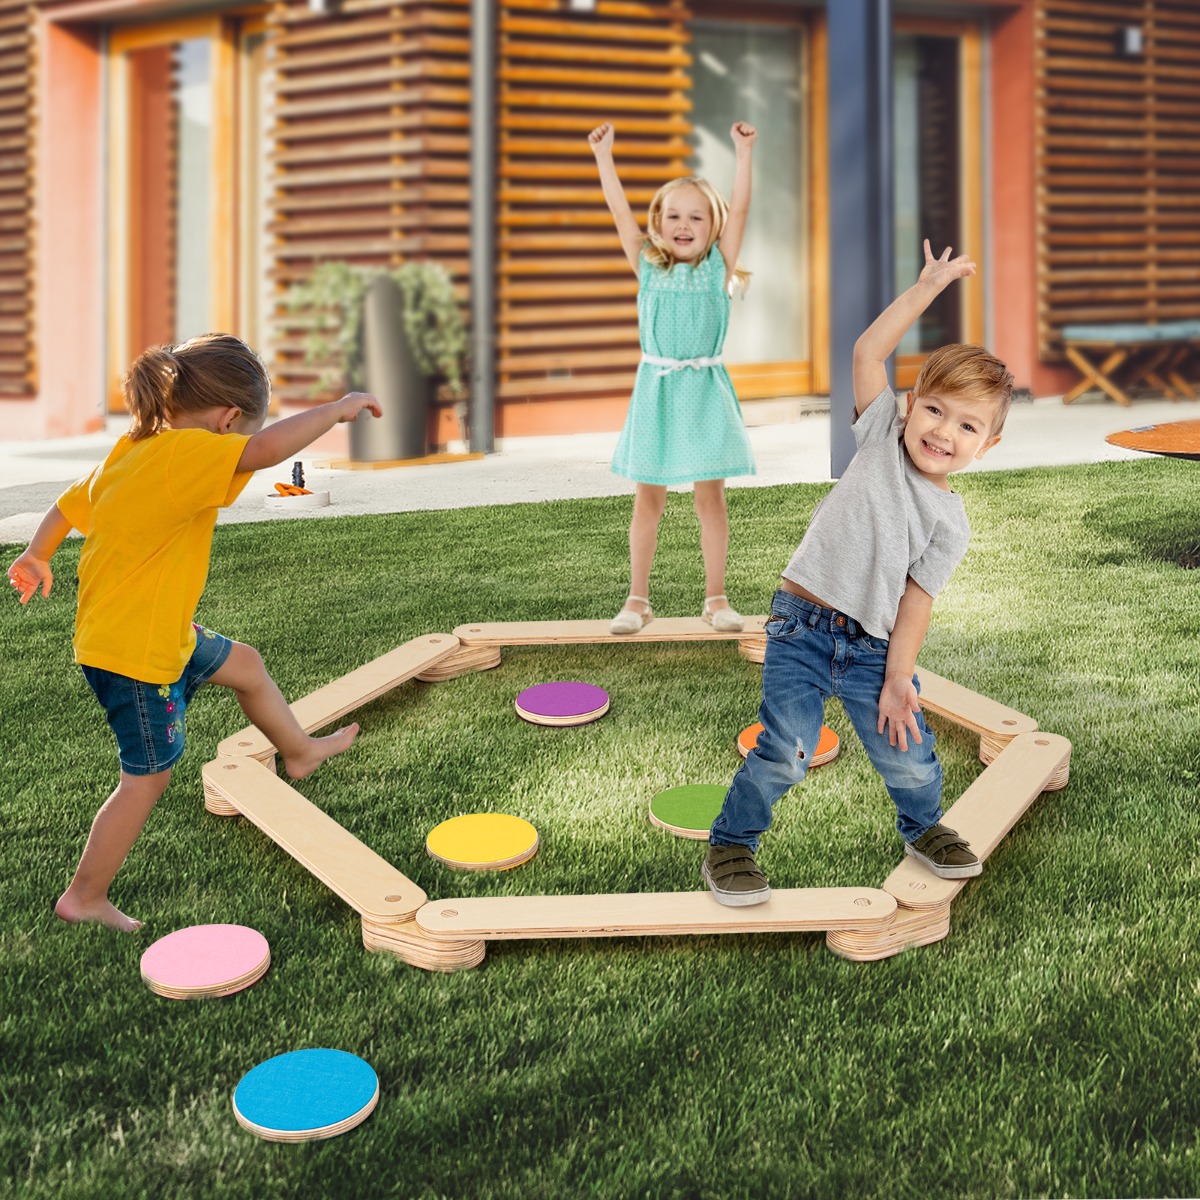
[
  {"x": 368, "y": 883},
  {"x": 995, "y": 723},
  {"x": 383, "y": 896},
  {"x": 860, "y": 923},
  {"x": 414, "y": 659},
  {"x": 983, "y": 814},
  {"x": 668, "y": 914},
  {"x": 582, "y": 633}
]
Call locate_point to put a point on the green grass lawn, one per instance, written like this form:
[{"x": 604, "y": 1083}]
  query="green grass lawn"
[{"x": 1047, "y": 1047}]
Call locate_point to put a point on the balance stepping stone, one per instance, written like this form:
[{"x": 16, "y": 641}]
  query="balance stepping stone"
[
  {"x": 827, "y": 744},
  {"x": 204, "y": 961},
  {"x": 306, "y": 1095},
  {"x": 483, "y": 842},
  {"x": 567, "y": 703},
  {"x": 688, "y": 811}
]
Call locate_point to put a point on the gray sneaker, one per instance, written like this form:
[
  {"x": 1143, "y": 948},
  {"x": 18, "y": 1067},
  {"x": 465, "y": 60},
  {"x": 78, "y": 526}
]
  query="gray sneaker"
[
  {"x": 945, "y": 853},
  {"x": 734, "y": 877}
]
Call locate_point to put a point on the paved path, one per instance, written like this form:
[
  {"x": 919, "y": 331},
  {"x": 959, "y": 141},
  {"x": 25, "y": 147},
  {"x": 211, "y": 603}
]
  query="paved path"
[{"x": 528, "y": 470}]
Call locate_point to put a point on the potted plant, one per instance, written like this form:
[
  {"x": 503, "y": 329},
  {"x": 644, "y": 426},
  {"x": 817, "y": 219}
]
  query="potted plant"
[{"x": 397, "y": 333}]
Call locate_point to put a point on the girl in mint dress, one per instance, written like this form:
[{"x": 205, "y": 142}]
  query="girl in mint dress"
[{"x": 684, "y": 423}]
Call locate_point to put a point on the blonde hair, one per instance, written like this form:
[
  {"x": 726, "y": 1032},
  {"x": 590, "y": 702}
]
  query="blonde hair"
[
  {"x": 656, "y": 248},
  {"x": 969, "y": 373},
  {"x": 214, "y": 370}
]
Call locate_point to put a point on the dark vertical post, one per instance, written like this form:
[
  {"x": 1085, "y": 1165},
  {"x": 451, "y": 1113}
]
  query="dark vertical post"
[
  {"x": 482, "y": 417},
  {"x": 860, "y": 196}
]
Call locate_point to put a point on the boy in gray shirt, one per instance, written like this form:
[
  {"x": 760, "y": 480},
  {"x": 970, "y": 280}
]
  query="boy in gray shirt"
[{"x": 854, "y": 602}]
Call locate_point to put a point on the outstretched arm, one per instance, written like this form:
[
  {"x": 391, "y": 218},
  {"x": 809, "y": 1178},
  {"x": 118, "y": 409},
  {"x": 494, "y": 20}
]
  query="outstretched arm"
[
  {"x": 744, "y": 136},
  {"x": 601, "y": 142},
  {"x": 32, "y": 569},
  {"x": 877, "y": 344},
  {"x": 899, "y": 702},
  {"x": 285, "y": 438}
]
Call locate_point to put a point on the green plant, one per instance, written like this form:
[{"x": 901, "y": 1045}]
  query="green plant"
[{"x": 433, "y": 322}]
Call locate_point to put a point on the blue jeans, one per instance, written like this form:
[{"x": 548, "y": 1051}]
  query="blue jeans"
[{"x": 812, "y": 654}]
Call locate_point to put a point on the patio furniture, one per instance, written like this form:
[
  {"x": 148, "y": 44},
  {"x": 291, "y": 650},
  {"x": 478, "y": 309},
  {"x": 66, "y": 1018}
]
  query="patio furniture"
[{"x": 1115, "y": 357}]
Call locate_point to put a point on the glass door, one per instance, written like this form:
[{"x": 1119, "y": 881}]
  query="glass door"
[
  {"x": 754, "y": 71},
  {"x": 179, "y": 236}
]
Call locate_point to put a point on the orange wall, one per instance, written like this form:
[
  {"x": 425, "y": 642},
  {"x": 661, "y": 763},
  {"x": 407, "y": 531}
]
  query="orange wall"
[{"x": 70, "y": 301}]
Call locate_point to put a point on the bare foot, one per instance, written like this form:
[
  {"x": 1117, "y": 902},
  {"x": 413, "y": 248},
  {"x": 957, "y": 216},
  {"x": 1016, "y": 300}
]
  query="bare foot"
[
  {"x": 103, "y": 912},
  {"x": 318, "y": 750}
]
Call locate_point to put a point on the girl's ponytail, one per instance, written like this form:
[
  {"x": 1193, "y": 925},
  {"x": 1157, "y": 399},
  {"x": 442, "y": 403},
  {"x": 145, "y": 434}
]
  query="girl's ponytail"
[
  {"x": 149, "y": 386},
  {"x": 214, "y": 370}
]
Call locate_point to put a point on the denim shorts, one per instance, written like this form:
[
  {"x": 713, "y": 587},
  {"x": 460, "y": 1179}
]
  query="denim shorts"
[{"x": 148, "y": 718}]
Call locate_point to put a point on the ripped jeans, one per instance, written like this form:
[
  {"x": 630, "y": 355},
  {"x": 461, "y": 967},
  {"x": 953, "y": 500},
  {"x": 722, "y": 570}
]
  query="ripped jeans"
[{"x": 812, "y": 654}]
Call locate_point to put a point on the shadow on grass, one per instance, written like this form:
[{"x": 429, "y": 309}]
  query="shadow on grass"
[{"x": 1170, "y": 533}]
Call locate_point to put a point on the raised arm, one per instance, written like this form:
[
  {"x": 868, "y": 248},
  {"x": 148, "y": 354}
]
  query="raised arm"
[
  {"x": 281, "y": 441},
  {"x": 601, "y": 142},
  {"x": 744, "y": 136},
  {"x": 32, "y": 569},
  {"x": 877, "y": 344}
]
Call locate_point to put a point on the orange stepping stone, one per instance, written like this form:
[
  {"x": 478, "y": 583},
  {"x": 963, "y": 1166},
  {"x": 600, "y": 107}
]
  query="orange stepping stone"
[{"x": 828, "y": 744}]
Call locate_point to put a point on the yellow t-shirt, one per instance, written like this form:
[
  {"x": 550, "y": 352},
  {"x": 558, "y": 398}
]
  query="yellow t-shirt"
[{"x": 147, "y": 513}]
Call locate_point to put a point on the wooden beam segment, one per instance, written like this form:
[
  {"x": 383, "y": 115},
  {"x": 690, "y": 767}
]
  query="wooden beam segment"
[
  {"x": 579, "y": 633},
  {"x": 662, "y": 914},
  {"x": 985, "y": 812},
  {"x": 351, "y": 691},
  {"x": 364, "y": 880}
]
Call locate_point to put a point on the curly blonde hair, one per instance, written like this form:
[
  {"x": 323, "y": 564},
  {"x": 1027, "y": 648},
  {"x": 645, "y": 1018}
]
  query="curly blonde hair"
[{"x": 655, "y": 246}]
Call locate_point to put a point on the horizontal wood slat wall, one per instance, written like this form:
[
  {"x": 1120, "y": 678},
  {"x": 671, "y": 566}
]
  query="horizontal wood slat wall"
[
  {"x": 566, "y": 299},
  {"x": 17, "y": 119},
  {"x": 1118, "y": 165},
  {"x": 370, "y": 150}
]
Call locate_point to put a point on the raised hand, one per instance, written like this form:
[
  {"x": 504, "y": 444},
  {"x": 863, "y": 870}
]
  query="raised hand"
[
  {"x": 601, "y": 138},
  {"x": 938, "y": 272},
  {"x": 743, "y": 134}
]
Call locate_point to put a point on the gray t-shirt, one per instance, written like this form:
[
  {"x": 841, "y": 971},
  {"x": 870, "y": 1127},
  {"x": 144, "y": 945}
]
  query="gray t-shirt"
[{"x": 882, "y": 522}]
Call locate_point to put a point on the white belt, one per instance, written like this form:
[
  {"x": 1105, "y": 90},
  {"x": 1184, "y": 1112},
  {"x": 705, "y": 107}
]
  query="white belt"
[{"x": 678, "y": 364}]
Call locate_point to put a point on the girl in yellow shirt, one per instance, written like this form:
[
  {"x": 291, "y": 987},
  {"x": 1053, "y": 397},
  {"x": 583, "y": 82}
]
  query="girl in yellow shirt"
[{"x": 147, "y": 514}]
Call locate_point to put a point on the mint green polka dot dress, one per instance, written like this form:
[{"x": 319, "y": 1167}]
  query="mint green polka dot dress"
[{"x": 683, "y": 424}]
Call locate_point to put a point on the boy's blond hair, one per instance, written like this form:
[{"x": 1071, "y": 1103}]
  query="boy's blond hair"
[
  {"x": 970, "y": 373},
  {"x": 657, "y": 250}
]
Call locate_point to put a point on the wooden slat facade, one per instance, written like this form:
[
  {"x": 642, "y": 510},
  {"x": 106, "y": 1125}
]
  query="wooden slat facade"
[
  {"x": 370, "y": 147},
  {"x": 1118, "y": 165},
  {"x": 566, "y": 325},
  {"x": 17, "y": 112}
]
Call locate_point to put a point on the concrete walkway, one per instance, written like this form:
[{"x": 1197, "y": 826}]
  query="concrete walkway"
[{"x": 528, "y": 470}]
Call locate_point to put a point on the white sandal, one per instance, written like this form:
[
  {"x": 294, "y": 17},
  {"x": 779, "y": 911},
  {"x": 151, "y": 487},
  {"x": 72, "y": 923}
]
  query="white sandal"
[
  {"x": 628, "y": 621},
  {"x": 723, "y": 619}
]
